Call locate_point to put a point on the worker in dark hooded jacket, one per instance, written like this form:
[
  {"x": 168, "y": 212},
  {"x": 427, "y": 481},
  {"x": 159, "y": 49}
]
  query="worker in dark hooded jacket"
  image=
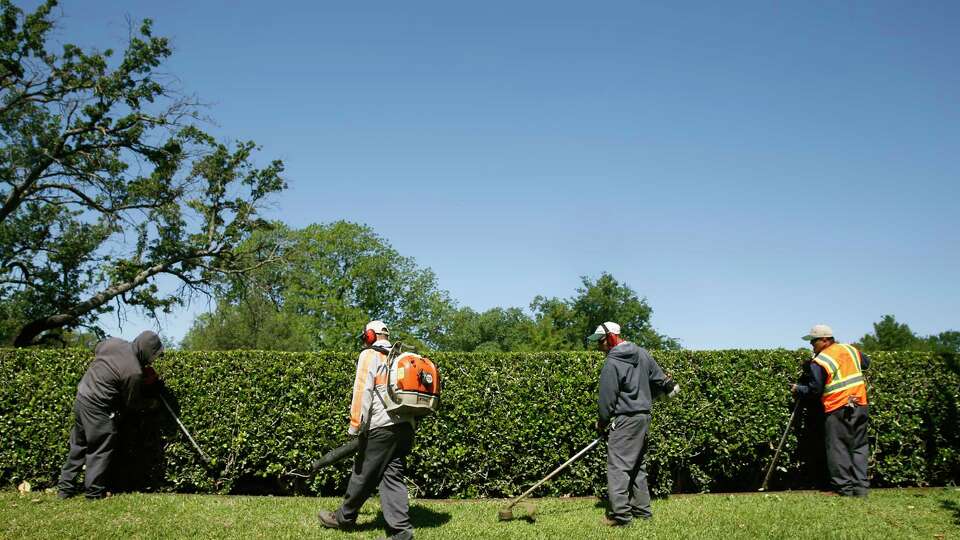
[
  {"x": 112, "y": 383},
  {"x": 629, "y": 380}
]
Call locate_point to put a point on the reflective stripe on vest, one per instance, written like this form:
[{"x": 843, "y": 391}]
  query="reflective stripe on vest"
[{"x": 844, "y": 376}]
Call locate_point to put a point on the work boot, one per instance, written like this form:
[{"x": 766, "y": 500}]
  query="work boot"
[
  {"x": 613, "y": 522},
  {"x": 329, "y": 520},
  {"x": 66, "y": 494},
  {"x": 406, "y": 534}
]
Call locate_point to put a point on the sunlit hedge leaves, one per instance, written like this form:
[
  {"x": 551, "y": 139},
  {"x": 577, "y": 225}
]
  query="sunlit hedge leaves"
[{"x": 506, "y": 421}]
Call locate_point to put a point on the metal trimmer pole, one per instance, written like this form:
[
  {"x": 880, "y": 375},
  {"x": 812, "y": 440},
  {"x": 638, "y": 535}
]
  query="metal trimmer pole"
[
  {"x": 506, "y": 510},
  {"x": 776, "y": 455},
  {"x": 183, "y": 428}
]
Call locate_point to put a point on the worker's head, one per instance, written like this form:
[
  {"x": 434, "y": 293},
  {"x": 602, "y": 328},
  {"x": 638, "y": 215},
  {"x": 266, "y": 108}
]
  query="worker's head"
[
  {"x": 374, "y": 331},
  {"x": 820, "y": 337},
  {"x": 607, "y": 336},
  {"x": 147, "y": 347}
]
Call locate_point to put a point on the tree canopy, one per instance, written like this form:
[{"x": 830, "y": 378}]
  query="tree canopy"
[
  {"x": 331, "y": 280},
  {"x": 107, "y": 183},
  {"x": 890, "y": 335},
  {"x": 335, "y": 277}
]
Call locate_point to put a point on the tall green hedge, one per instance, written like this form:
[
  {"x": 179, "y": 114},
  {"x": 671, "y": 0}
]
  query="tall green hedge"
[{"x": 506, "y": 421}]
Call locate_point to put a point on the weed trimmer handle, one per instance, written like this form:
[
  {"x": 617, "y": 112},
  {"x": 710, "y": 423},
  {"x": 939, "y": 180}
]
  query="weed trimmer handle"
[
  {"x": 578, "y": 455},
  {"x": 773, "y": 462}
]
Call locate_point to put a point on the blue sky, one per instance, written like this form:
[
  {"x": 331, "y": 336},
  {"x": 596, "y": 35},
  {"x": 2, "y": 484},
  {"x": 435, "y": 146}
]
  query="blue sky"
[{"x": 751, "y": 168}]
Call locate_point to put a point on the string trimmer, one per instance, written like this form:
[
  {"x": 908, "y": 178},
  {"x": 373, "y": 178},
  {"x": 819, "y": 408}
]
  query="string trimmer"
[{"x": 507, "y": 513}]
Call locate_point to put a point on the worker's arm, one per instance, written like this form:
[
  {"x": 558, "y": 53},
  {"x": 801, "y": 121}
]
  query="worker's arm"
[
  {"x": 609, "y": 388},
  {"x": 815, "y": 387},
  {"x": 362, "y": 392},
  {"x": 660, "y": 382},
  {"x": 132, "y": 391}
]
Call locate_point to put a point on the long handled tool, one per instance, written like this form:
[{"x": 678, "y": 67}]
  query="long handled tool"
[
  {"x": 183, "y": 428},
  {"x": 507, "y": 513},
  {"x": 776, "y": 455}
]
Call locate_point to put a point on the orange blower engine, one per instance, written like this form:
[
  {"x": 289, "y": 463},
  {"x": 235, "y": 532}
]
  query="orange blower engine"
[{"x": 413, "y": 387}]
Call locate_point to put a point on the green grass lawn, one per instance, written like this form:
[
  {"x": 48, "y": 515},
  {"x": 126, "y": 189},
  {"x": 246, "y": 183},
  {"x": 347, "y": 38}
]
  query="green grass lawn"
[{"x": 909, "y": 513}]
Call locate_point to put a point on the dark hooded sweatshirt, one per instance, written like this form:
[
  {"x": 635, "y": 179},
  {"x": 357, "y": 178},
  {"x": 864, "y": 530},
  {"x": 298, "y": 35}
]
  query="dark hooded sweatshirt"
[
  {"x": 112, "y": 382},
  {"x": 628, "y": 380}
]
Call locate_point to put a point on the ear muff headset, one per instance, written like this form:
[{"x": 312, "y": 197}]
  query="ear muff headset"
[
  {"x": 369, "y": 337},
  {"x": 612, "y": 339},
  {"x": 606, "y": 331}
]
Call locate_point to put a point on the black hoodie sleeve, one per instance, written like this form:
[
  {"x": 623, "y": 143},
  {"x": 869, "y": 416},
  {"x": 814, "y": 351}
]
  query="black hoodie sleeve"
[
  {"x": 132, "y": 386},
  {"x": 659, "y": 382},
  {"x": 609, "y": 389}
]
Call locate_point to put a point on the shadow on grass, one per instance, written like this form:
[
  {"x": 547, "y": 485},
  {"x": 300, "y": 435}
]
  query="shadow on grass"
[
  {"x": 421, "y": 517},
  {"x": 952, "y": 506}
]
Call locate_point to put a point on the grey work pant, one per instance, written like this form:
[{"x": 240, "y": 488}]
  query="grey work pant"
[
  {"x": 92, "y": 442},
  {"x": 381, "y": 460},
  {"x": 627, "y": 469},
  {"x": 848, "y": 449}
]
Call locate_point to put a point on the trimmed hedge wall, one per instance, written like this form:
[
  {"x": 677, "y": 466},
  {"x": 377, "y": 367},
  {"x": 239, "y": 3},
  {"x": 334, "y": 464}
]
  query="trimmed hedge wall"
[{"x": 505, "y": 422}]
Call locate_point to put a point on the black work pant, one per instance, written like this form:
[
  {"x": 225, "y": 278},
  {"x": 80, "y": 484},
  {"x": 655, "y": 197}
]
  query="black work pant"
[
  {"x": 848, "y": 449},
  {"x": 92, "y": 443},
  {"x": 626, "y": 468},
  {"x": 381, "y": 460}
]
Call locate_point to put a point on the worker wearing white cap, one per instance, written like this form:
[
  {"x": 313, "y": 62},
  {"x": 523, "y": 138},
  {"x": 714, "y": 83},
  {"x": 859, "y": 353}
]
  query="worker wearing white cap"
[
  {"x": 629, "y": 379},
  {"x": 837, "y": 380},
  {"x": 386, "y": 439}
]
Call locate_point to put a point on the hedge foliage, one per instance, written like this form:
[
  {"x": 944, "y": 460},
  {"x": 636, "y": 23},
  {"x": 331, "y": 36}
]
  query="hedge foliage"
[{"x": 506, "y": 421}]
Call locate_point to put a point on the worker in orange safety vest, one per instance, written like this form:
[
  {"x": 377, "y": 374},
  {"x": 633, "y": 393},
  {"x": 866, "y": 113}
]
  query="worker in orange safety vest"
[{"x": 837, "y": 380}]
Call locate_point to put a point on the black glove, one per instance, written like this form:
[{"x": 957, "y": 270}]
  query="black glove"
[
  {"x": 149, "y": 375},
  {"x": 601, "y": 428}
]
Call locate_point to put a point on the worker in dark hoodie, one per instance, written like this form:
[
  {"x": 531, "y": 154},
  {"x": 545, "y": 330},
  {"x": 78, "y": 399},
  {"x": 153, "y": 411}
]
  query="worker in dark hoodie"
[
  {"x": 629, "y": 380},
  {"x": 112, "y": 383}
]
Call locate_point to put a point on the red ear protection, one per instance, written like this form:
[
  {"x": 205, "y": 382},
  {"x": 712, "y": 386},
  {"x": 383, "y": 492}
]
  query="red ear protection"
[
  {"x": 368, "y": 336},
  {"x": 612, "y": 339}
]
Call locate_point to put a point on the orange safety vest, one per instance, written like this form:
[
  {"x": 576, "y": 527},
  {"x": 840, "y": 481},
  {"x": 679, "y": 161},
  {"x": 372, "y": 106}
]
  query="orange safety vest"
[{"x": 845, "y": 382}]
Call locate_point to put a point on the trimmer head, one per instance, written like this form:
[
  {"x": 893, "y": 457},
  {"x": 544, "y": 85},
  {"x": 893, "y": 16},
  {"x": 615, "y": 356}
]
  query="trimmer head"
[{"x": 506, "y": 514}]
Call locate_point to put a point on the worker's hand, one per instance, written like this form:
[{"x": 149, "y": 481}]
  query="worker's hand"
[
  {"x": 601, "y": 429},
  {"x": 793, "y": 390},
  {"x": 150, "y": 375}
]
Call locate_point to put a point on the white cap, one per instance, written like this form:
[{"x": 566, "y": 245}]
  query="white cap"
[
  {"x": 600, "y": 333},
  {"x": 378, "y": 327},
  {"x": 819, "y": 331}
]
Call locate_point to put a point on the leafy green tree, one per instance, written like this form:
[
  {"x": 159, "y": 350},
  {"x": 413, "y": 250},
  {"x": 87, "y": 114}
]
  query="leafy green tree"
[
  {"x": 106, "y": 183},
  {"x": 332, "y": 280},
  {"x": 254, "y": 324},
  {"x": 945, "y": 342},
  {"x": 494, "y": 330},
  {"x": 889, "y": 335},
  {"x": 596, "y": 301},
  {"x": 556, "y": 324}
]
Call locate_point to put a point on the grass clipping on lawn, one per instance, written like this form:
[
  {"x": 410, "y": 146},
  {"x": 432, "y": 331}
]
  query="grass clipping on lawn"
[{"x": 895, "y": 513}]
